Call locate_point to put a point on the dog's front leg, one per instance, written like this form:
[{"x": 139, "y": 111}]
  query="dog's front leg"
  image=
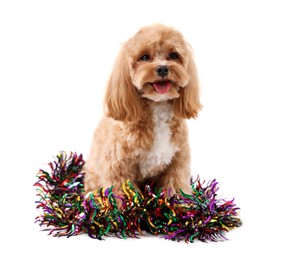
[
  {"x": 177, "y": 177},
  {"x": 119, "y": 173}
]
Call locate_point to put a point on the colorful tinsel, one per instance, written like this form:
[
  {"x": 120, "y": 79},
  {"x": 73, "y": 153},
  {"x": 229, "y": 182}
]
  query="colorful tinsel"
[{"x": 66, "y": 212}]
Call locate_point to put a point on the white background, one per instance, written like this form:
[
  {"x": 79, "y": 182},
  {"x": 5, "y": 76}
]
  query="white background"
[{"x": 55, "y": 58}]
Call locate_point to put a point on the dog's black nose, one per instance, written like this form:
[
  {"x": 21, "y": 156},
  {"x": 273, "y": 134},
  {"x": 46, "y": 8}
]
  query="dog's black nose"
[{"x": 162, "y": 71}]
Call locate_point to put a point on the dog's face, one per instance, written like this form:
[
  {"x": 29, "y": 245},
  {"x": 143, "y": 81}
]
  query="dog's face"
[
  {"x": 158, "y": 63},
  {"x": 155, "y": 64}
]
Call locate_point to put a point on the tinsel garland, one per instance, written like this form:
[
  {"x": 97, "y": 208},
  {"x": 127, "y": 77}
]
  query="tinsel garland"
[{"x": 65, "y": 211}]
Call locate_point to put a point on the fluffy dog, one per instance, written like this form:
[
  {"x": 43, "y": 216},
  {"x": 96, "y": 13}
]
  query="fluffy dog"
[{"x": 143, "y": 135}]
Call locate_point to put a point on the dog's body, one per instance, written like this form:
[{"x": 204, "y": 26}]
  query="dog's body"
[{"x": 143, "y": 136}]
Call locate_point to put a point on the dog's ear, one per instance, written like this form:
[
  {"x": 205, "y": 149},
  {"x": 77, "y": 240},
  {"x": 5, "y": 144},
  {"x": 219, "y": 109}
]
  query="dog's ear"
[
  {"x": 122, "y": 102},
  {"x": 188, "y": 103}
]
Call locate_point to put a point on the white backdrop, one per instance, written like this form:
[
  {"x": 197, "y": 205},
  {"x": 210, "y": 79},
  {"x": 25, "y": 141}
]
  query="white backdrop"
[{"x": 55, "y": 58}]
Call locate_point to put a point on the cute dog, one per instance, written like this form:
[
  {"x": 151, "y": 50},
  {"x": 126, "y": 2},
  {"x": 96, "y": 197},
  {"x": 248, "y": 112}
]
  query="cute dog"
[{"x": 143, "y": 135}]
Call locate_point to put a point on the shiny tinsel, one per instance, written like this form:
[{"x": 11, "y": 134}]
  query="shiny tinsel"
[{"x": 65, "y": 211}]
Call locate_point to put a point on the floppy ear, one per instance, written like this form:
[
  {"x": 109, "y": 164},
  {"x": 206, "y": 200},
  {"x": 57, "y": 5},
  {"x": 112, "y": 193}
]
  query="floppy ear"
[
  {"x": 122, "y": 102},
  {"x": 188, "y": 103}
]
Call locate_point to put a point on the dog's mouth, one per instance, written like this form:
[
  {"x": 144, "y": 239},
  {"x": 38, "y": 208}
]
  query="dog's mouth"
[{"x": 162, "y": 87}]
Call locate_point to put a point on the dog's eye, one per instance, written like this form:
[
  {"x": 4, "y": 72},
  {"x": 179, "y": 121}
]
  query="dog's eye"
[
  {"x": 145, "y": 57},
  {"x": 173, "y": 55}
]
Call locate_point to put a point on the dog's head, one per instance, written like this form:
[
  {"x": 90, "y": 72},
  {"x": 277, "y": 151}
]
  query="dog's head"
[{"x": 155, "y": 64}]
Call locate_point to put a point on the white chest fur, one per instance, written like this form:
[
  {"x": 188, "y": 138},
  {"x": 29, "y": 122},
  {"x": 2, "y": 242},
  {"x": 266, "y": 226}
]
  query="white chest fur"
[{"x": 163, "y": 149}]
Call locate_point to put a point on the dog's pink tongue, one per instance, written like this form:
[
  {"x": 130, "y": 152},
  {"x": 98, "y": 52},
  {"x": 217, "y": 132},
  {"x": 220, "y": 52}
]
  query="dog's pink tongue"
[{"x": 162, "y": 87}]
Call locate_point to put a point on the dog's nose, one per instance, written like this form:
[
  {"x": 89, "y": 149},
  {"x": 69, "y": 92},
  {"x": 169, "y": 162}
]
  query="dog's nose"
[{"x": 162, "y": 71}]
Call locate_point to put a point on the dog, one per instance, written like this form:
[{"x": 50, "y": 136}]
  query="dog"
[{"x": 143, "y": 135}]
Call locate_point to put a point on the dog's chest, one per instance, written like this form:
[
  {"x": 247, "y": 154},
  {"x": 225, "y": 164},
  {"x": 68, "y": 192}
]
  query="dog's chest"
[{"x": 163, "y": 150}]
